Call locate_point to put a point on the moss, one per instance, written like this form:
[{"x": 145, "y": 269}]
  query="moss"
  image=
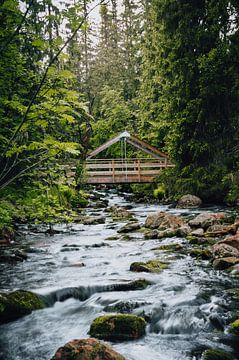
[
  {"x": 216, "y": 354},
  {"x": 169, "y": 247},
  {"x": 18, "y": 304},
  {"x": 149, "y": 266},
  {"x": 192, "y": 239},
  {"x": 113, "y": 237},
  {"x": 203, "y": 254},
  {"x": 140, "y": 284},
  {"x": 118, "y": 327},
  {"x": 234, "y": 327}
]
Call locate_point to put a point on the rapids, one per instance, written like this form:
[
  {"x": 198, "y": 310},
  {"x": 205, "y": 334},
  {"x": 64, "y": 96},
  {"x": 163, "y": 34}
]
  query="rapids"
[{"x": 187, "y": 306}]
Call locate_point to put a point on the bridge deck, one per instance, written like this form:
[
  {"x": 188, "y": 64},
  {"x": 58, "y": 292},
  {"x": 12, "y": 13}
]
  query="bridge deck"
[{"x": 117, "y": 171}]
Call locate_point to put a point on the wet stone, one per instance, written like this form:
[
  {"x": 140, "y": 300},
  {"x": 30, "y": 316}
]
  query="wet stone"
[
  {"x": 86, "y": 349},
  {"x": 151, "y": 266},
  {"x": 118, "y": 327}
]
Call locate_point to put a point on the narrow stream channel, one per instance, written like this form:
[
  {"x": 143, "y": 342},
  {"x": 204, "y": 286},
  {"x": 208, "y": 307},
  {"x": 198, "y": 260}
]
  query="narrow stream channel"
[{"x": 186, "y": 306}]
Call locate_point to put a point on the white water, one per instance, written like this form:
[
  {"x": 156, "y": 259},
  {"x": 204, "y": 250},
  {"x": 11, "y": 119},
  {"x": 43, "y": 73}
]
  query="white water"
[{"x": 181, "y": 304}]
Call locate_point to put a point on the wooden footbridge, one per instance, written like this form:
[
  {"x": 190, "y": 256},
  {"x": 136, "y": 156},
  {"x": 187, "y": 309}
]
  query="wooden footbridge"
[{"x": 125, "y": 170}]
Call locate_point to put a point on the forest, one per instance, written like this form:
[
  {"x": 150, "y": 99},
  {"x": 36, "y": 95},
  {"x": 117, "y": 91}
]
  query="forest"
[
  {"x": 138, "y": 270},
  {"x": 73, "y": 74}
]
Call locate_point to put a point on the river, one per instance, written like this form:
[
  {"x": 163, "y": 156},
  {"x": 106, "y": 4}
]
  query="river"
[{"x": 187, "y": 305}]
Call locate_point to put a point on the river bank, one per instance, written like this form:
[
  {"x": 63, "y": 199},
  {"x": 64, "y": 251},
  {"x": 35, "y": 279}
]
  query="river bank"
[{"x": 188, "y": 307}]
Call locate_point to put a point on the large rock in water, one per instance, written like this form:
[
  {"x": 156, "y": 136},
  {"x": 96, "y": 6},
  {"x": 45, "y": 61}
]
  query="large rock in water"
[
  {"x": 189, "y": 201},
  {"x": 205, "y": 220},
  {"x": 129, "y": 227},
  {"x": 164, "y": 221},
  {"x": 221, "y": 250},
  {"x": 86, "y": 349},
  {"x": 118, "y": 327},
  {"x": 231, "y": 240},
  {"x": 17, "y": 304},
  {"x": 225, "y": 263}
]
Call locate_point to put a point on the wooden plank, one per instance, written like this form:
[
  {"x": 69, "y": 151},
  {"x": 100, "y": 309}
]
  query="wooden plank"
[{"x": 121, "y": 180}]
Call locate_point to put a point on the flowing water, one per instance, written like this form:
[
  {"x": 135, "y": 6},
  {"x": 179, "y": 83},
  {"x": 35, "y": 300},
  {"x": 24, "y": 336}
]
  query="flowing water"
[{"x": 187, "y": 306}]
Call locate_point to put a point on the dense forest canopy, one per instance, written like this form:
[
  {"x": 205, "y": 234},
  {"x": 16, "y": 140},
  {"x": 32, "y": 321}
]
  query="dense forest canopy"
[{"x": 167, "y": 71}]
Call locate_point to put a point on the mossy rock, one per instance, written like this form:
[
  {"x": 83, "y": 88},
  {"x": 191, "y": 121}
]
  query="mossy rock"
[
  {"x": 203, "y": 254},
  {"x": 86, "y": 349},
  {"x": 234, "y": 327},
  {"x": 152, "y": 266},
  {"x": 113, "y": 237},
  {"x": 216, "y": 354},
  {"x": 118, "y": 327},
  {"x": 18, "y": 304},
  {"x": 169, "y": 247}
]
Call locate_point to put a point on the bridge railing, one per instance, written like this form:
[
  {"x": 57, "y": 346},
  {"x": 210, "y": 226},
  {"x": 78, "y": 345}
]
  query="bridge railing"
[{"x": 124, "y": 170}]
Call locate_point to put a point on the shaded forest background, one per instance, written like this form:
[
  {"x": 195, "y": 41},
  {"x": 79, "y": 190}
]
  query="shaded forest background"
[{"x": 166, "y": 70}]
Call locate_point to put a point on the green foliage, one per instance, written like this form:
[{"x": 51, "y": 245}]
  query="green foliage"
[{"x": 159, "y": 192}]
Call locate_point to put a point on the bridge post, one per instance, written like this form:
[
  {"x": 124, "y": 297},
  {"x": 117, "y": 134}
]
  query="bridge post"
[
  {"x": 139, "y": 170},
  {"x": 113, "y": 170}
]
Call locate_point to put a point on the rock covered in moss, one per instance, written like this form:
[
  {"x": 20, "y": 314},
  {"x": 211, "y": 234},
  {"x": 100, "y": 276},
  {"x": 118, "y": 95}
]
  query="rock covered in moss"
[
  {"x": 234, "y": 327},
  {"x": 204, "y": 254},
  {"x": 17, "y": 304},
  {"x": 149, "y": 266},
  {"x": 118, "y": 327},
  {"x": 120, "y": 213},
  {"x": 86, "y": 349},
  {"x": 169, "y": 247},
  {"x": 129, "y": 227},
  {"x": 216, "y": 354}
]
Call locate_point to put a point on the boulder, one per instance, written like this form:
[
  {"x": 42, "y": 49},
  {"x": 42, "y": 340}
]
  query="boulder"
[
  {"x": 118, "y": 327},
  {"x": 184, "y": 231},
  {"x": 93, "y": 220},
  {"x": 198, "y": 232},
  {"x": 86, "y": 349},
  {"x": 164, "y": 221},
  {"x": 129, "y": 227},
  {"x": 152, "y": 266},
  {"x": 19, "y": 303},
  {"x": 216, "y": 354},
  {"x": 203, "y": 254},
  {"x": 221, "y": 250},
  {"x": 120, "y": 213},
  {"x": 225, "y": 263},
  {"x": 220, "y": 230},
  {"x": 169, "y": 247},
  {"x": 189, "y": 201},
  {"x": 204, "y": 220},
  {"x": 231, "y": 240},
  {"x": 151, "y": 234}
]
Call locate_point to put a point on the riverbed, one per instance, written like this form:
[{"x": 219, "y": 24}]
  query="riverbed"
[{"x": 187, "y": 306}]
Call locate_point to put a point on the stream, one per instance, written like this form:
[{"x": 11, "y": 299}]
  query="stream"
[{"x": 187, "y": 306}]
